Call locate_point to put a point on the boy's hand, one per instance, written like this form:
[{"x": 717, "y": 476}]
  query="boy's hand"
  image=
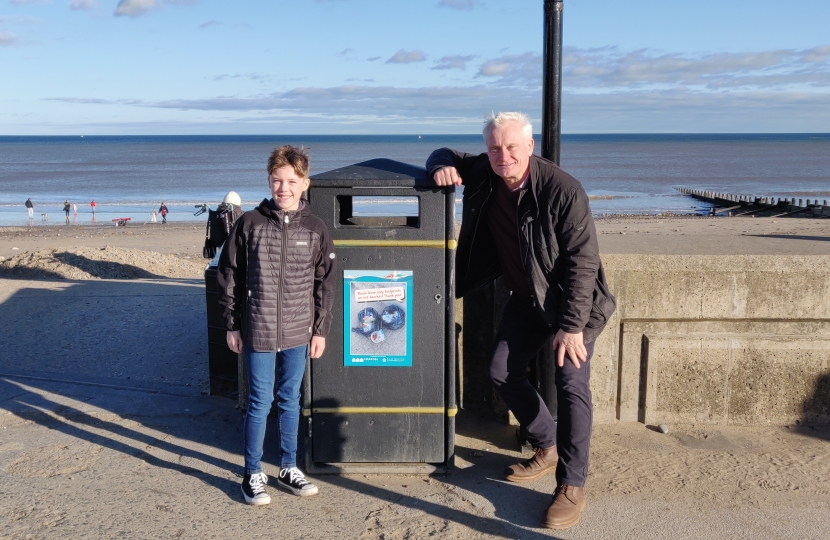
[
  {"x": 234, "y": 340},
  {"x": 318, "y": 345}
]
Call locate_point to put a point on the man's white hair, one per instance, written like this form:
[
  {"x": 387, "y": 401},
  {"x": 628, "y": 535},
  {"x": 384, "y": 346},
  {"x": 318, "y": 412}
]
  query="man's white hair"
[{"x": 492, "y": 120}]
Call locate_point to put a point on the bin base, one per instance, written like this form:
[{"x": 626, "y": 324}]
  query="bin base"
[
  {"x": 377, "y": 468},
  {"x": 224, "y": 386}
]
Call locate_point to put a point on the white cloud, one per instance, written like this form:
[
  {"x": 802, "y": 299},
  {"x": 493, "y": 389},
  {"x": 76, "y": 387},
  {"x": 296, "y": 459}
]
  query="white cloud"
[
  {"x": 406, "y": 57},
  {"x": 82, "y": 5},
  {"x": 97, "y": 101},
  {"x": 251, "y": 76},
  {"x": 460, "y": 109},
  {"x": 134, "y": 8},
  {"x": 682, "y": 111},
  {"x": 466, "y": 5},
  {"x": 7, "y": 38},
  {"x": 515, "y": 69},
  {"x": 606, "y": 90},
  {"x": 609, "y": 68},
  {"x": 453, "y": 62}
]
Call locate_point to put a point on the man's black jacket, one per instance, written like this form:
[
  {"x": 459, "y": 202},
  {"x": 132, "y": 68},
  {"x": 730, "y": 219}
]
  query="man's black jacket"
[{"x": 557, "y": 239}]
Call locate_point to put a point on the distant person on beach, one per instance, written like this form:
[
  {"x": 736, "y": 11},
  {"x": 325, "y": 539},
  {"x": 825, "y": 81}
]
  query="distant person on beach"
[
  {"x": 534, "y": 217},
  {"x": 92, "y": 204},
  {"x": 66, "y": 208},
  {"x": 30, "y": 208},
  {"x": 277, "y": 306},
  {"x": 163, "y": 212},
  {"x": 75, "y": 209},
  {"x": 153, "y": 219}
]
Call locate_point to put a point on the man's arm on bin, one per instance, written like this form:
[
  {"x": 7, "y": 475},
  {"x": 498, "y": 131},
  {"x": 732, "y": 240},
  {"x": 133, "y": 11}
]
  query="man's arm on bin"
[
  {"x": 447, "y": 167},
  {"x": 230, "y": 280},
  {"x": 576, "y": 237},
  {"x": 325, "y": 265}
]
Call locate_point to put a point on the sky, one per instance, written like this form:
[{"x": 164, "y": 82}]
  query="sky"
[{"x": 134, "y": 67}]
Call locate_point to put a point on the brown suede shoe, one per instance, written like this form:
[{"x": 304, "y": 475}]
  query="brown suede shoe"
[
  {"x": 568, "y": 503},
  {"x": 543, "y": 462}
]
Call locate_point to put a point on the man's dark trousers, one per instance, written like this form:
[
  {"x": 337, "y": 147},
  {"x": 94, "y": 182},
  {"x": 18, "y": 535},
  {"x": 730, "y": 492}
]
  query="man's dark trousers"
[{"x": 522, "y": 333}]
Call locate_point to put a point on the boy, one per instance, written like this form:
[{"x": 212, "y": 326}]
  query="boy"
[{"x": 276, "y": 281}]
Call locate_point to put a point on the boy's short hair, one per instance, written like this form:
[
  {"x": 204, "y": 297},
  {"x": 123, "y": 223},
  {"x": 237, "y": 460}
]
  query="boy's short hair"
[{"x": 287, "y": 155}]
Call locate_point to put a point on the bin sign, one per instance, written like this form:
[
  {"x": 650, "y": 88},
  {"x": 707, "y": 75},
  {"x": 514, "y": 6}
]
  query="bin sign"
[{"x": 377, "y": 324}]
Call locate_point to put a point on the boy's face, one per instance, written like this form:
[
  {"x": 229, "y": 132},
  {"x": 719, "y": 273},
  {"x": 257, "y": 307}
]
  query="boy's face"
[{"x": 287, "y": 188}]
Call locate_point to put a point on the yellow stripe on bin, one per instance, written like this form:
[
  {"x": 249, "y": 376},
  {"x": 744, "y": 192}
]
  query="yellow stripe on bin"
[
  {"x": 380, "y": 410},
  {"x": 441, "y": 244}
]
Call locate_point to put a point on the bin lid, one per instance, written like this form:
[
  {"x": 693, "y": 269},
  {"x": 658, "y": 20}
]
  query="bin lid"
[{"x": 379, "y": 172}]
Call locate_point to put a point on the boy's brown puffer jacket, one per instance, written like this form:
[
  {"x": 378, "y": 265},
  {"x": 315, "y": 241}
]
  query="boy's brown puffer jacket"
[{"x": 276, "y": 277}]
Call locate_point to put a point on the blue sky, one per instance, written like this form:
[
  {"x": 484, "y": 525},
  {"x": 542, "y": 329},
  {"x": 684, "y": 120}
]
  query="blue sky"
[{"x": 395, "y": 66}]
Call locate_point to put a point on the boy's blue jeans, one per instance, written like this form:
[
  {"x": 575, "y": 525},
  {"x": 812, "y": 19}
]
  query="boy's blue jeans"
[{"x": 263, "y": 368}]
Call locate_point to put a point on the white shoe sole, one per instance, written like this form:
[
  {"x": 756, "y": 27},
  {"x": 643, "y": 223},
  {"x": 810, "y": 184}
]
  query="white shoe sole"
[
  {"x": 298, "y": 492},
  {"x": 256, "y": 501}
]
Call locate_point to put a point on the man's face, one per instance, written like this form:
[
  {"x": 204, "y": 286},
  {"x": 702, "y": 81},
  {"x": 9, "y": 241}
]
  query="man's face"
[
  {"x": 287, "y": 188},
  {"x": 509, "y": 151}
]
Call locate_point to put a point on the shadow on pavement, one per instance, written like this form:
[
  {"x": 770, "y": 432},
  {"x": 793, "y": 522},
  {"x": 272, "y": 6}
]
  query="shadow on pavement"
[
  {"x": 815, "y": 419},
  {"x": 792, "y": 237},
  {"x": 54, "y": 416},
  {"x": 123, "y": 365}
]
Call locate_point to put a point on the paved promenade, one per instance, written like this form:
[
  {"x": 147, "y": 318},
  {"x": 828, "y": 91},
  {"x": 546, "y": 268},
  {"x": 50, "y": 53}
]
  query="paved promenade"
[{"x": 106, "y": 430}]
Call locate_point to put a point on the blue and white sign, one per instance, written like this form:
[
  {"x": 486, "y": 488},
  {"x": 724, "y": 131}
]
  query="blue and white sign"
[{"x": 377, "y": 328}]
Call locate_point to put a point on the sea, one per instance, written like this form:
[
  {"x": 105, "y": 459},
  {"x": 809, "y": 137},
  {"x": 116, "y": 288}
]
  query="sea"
[{"x": 129, "y": 176}]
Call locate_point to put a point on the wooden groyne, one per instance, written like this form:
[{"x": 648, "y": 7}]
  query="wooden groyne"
[{"x": 751, "y": 205}]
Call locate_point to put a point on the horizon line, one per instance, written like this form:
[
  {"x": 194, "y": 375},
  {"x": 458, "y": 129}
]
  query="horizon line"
[{"x": 418, "y": 134}]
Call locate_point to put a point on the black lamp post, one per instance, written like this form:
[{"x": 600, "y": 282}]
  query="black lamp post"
[
  {"x": 552, "y": 89},
  {"x": 551, "y": 132}
]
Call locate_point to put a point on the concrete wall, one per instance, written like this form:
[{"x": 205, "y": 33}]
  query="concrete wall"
[{"x": 738, "y": 340}]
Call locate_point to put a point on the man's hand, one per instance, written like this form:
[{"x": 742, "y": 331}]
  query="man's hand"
[
  {"x": 447, "y": 176},
  {"x": 318, "y": 345},
  {"x": 571, "y": 344},
  {"x": 234, "y": 340}
]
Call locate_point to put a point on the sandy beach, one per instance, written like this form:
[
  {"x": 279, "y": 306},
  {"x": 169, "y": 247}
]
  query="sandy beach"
[
  {"x": 100, "y": 415},
  {"x": 675, "y": 235}
]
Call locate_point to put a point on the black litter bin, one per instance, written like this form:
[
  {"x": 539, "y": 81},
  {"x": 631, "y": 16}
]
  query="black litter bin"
[
  {"x": 222, "y": 362},
  {"x": 382, "y": 397}
]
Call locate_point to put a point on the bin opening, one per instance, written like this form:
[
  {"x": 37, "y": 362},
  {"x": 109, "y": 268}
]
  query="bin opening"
[{"x": 378, "y": 211}]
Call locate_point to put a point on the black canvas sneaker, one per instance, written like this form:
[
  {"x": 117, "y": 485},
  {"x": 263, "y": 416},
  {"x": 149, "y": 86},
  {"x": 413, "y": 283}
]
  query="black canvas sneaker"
[
  {"x": 253, "y": 489},
  {"x": 294, "y": 481}
]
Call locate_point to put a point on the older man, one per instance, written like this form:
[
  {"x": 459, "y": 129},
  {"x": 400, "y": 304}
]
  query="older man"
[{"x": 536, "y": 218}]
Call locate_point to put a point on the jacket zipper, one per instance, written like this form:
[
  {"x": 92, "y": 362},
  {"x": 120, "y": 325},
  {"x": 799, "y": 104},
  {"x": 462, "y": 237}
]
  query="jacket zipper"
[{"x": 281, "y": 278}]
